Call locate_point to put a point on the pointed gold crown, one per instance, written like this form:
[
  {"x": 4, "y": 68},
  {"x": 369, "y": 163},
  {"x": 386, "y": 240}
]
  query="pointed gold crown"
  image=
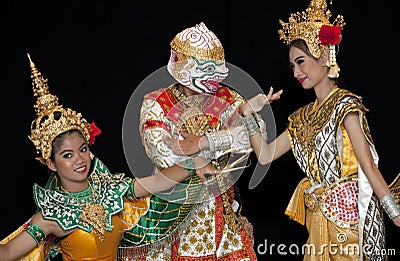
[
  {"x": 198, "y": 41},
  {"x": 52, "y": 119},
  {"x": 306, "y": 25}
]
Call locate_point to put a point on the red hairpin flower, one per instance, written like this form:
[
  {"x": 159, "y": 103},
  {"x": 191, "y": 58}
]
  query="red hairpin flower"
[
  {"x": 329, "y": 34},
  {"x": 94, "y": 131}
]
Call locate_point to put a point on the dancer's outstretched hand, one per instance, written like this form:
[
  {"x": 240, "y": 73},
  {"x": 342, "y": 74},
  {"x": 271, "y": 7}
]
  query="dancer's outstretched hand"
[{"x": 257, "y": 103}]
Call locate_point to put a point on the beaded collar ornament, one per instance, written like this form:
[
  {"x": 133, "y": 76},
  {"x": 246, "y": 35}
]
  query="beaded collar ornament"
[
  {"x": 52, "y": 119},
  {"x": 314, "y": 28},
  {"x": 93, "y": 213}
]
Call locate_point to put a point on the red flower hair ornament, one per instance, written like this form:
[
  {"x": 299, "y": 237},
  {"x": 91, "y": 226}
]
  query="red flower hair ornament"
[
  {"x": 329, "y": 34},
  {"x": 94, "y": 131}
]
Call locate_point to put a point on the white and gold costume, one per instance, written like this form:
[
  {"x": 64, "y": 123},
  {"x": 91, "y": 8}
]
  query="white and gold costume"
[
  {"x": 215, "y": 229},
  {"x": 341, "y": 209},
  {"x": 335, "y": 200}
]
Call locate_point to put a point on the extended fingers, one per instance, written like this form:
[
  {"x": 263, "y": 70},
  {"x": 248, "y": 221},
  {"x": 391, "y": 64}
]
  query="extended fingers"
[
  {"x": 271, "y": 91},
  {"x": 277, "y": 95},
  {"x": 273, "y": 96}
]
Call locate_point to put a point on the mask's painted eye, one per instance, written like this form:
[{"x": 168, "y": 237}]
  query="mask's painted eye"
[{"x": 209, "y": 69}]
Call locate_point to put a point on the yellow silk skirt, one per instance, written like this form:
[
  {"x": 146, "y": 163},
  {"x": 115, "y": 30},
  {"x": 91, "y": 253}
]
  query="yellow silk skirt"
[{"x": 327, "y": 241}]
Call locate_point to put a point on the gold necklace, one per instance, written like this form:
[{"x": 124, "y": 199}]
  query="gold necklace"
[
  {"x": 93, "y": 214},
  {"x": 315, "y": 118}
]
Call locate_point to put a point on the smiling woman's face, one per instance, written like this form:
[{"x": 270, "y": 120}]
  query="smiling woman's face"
[{"x": 71, "y": 161}]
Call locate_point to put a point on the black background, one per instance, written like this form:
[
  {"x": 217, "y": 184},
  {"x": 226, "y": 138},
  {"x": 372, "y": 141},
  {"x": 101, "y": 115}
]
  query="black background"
[{"x": 95, "y": 53}]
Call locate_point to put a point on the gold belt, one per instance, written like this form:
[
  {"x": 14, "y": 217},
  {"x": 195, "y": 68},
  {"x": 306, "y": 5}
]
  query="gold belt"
[
  {"x": 338, "y": 202},
  {"x": 312, "y": 196}
]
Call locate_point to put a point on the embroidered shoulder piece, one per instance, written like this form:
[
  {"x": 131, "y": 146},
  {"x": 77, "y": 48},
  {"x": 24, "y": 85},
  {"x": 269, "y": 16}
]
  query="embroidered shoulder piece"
[
  {"x": 339, "y": 101},
  {"x": 66, "y": 208},
  {"x": 164, "y": 97},
  {"x": 348, "y": 102}
]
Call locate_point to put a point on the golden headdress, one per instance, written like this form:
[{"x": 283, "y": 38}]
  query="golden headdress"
[
  {"x": 314, "y": 28},
  {"x": 198, "y": 41},
  {"x": 52, "y": 119}
]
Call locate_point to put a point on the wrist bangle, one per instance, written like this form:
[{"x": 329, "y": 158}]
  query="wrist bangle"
[
  {"x": 189, "y": 166},
  {"x": 390, "y": 205},
  {"x": 219, "y": 140},
  {"x": 211, "y": 143},
  {"x": 36, "y": 232},
  {"x": 251, "y": 124}
]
